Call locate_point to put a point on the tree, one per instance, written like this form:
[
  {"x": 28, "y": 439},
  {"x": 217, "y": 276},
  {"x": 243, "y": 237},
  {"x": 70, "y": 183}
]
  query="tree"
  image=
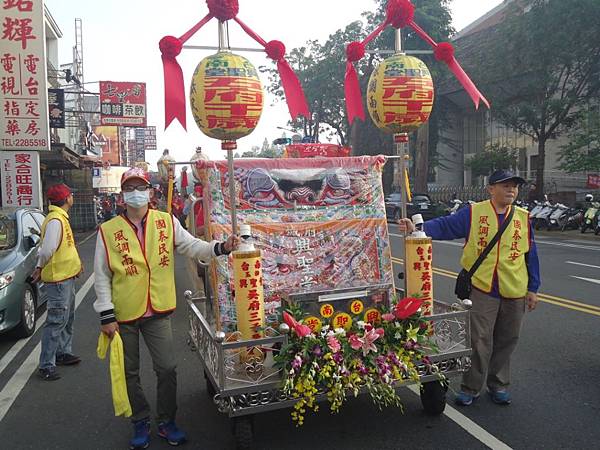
[
  {"x": 494, "y": 157},
  {"x": 582, "y": 153},
  {"x": 542, "y": 68}
]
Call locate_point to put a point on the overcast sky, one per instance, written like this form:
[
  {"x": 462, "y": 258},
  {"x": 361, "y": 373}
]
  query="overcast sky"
[{"x": 120, "y": 43}]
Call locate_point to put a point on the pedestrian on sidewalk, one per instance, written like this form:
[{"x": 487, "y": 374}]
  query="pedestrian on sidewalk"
[
  {"x": 58, "y": 265},
  {"x": 504, "y": 285},
  {"x": 135, "y": 288}
]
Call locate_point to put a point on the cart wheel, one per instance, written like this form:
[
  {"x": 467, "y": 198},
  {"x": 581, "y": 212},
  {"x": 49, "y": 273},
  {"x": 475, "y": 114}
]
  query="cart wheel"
[
  {"x": 433, "y": 397},
  {"x": 243, "y": 432},
  {"x": 210, "y": 389}
]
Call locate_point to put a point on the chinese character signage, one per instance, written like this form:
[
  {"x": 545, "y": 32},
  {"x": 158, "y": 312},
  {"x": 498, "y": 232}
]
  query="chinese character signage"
[
  {"x": 150, "y": 138},
  {"x": 419, "y": 271},
  {"x": 23, "y": 94},
  {"x": 123, "y": 103},
  {"x": 20, "y": 175},
  {"x": 593, "y": 181},
  {"x": 140, "y": 152},
  {"x": 56, "y": 108}
]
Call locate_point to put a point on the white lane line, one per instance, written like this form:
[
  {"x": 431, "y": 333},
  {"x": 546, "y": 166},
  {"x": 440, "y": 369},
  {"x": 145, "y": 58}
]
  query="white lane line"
[
  {"x": 17, "y": 346},
  {"x": 15, "y": 385},
  {"x": 582, "y": 264},
  {"x": 591, "y": 280},
  {"x": 470, "y": 427},
  {"x": 562, "y": 244}
]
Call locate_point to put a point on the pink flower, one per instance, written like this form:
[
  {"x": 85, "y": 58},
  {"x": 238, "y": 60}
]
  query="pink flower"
[
  {"x": 302, "y": 330},
  {"x": 388, "y": 317},
  {"x": 334, "y": 344},
  {"x": 355, "y": 342},
  {"x": 380, "y": 332}
]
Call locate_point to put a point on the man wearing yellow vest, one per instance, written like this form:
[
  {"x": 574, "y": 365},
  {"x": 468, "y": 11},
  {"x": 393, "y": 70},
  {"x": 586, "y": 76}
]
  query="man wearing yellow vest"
[
  {"x": 504, "y": 286},
  {"x": 58, "y": 266},
  {"x": 135, "y": 288}
]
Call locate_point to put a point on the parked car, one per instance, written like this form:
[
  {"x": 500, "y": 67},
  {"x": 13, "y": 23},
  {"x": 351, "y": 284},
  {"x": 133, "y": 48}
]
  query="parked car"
[
  {"x": 420, "y": 204},
  {"x": 20, "y": 231}
]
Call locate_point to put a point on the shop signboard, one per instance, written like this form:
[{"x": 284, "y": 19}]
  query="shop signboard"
[
  {"x": 123, "y": 104},
  {"x": 19, "y": 173},
  {"x": 23, "y": 91},
  {"x": 56, "y": 108},
  {"x": 593, "y": 181}
]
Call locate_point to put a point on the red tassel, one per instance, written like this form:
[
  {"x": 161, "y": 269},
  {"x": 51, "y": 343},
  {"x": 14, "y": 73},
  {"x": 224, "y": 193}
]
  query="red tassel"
[
  {"x": 466, "y": 83},
  {"x": 354, "y": 106},
  {"x": 355, "y": 51},
  {"x": 275, "y": 50},
  {"x": 170, "y": 47},
  {"x": 292, "y": 88},
  {"x": 444, "y": 51}
]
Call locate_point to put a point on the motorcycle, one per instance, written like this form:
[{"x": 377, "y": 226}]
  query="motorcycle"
[
  {"x": 558, "y": 217},
  {"x": 573, "y": 219},
  {"x": 597, "y": 228},
  {"x": 590, "y": 217}
]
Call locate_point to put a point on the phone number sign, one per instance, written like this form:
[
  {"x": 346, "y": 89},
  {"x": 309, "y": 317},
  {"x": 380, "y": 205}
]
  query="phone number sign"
[{"x": 23, "y": 92}]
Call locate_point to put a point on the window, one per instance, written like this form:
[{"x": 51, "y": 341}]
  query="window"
[
  {"x": 30, "y": 226},
  {"x": 39, "y": 218}
]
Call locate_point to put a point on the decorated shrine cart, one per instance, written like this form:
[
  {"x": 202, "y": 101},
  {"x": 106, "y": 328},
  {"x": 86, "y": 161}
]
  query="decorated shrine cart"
[{"x": 321, "y": 228}]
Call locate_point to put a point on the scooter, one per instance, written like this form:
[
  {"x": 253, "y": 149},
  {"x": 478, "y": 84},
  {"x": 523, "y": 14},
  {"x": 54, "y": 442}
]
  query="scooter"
[
  {"x": 589, "y": 218},
  {"x": 557, "y": 217},
  {"x": 543, "y": 216},
  {"x": 536, "y": 207}
]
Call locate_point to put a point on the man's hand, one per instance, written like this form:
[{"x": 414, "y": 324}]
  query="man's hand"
[
  {"x": 36, "y": 275},
  {"x": 532, "y": 300},
  {"x": 110, "y": 329},
  {"x": 406, "y": 225},
  {"x": 231, "y": 243}
]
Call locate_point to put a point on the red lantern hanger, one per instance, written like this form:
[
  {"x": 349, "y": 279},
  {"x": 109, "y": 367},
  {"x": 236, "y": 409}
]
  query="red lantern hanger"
[
  {"x": 399, "y": 14},
  {"x": 223, "y": 10}
]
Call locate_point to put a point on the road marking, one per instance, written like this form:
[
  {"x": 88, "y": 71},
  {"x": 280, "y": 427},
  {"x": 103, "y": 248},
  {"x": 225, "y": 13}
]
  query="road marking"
[
  {"x": 469, "y": 426},
  {"x": 562, "y": 244},
  {"x": 582, "y": 264},
  {"x": 86, "y": 239},
  {"x": 15, "y": 385},
  {"x": 591, "y": 280},
  {"x": 558, "y": 301}
]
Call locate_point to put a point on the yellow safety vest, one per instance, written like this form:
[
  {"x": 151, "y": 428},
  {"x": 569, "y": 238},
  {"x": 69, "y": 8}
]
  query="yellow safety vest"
[
  {"x": 65, "y": 262},
  {"x": 506, "y": 261},
  {"x": 141, "y": 277}
]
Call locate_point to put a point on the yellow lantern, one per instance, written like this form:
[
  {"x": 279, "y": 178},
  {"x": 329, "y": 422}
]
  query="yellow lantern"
[
  {"x": 400, "y": 94},
  {"x": 226, "y": 96}
]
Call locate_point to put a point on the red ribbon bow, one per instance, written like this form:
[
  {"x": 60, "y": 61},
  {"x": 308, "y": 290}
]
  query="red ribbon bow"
[
  {"x": 399, "y": 14},
  {"x": 223, "y": 10}
]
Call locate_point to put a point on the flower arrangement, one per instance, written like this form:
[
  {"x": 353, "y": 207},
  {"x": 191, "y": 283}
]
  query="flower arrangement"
[{"x": 372, "y": 356}]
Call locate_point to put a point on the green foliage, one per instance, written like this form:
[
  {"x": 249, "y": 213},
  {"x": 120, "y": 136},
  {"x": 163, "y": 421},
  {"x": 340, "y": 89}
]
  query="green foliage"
[
  {"x": 582, "y": 153},
  {"x": 541, "y": 68},
  {"x": 494, "y": 157}
]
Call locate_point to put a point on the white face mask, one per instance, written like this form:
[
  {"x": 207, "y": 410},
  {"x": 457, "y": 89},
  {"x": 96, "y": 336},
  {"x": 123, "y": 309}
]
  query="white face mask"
[{"x": 137, "y": 199}]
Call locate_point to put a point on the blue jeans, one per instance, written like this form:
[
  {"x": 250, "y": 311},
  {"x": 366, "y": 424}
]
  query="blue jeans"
[{"x": 57, "y": 334}]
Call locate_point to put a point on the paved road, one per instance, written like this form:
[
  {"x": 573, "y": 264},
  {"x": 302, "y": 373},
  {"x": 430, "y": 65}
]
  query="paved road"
[{"x": 556, "y": 396}]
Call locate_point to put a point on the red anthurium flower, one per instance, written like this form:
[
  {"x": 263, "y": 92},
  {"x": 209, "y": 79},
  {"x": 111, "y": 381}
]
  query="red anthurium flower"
[
  {"x": 407, "y": 307},
  {"x": 302, "y": 330},
  {"x": 289, "y": 320}
]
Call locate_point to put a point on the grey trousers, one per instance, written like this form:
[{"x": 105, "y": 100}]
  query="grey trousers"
[
  {"x": 158, "y": 337},
  {"x": 495, "y": 328}
]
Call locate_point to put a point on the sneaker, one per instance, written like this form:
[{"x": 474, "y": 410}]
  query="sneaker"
[
  {"x": 49, "y": 374},
  {"x": 141, "y": 435},
  {"x": 500, "y": 396},
  {"x": 170, "y": 432},
  {"x": 67, "y": 360},
  {"x": 465, "y": 399}
]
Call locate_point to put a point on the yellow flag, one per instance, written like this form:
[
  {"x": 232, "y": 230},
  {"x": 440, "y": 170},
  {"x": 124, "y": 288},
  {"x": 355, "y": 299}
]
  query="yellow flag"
[
  {"x": 407, "y": 186},
  {"x": 117, "y": 372}
]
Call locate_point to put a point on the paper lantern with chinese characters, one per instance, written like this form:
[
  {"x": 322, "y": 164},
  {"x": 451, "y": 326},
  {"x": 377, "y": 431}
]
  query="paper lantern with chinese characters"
[
  {"x": 226, "y": 96},
  {"x": 400, "y": 94}
]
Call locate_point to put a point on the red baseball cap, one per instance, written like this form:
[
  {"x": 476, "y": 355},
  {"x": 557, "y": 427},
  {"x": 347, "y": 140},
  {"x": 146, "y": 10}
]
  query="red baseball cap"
[
  {"x": 135, "y": 172},
  {"x": 58, "y": 192}
]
